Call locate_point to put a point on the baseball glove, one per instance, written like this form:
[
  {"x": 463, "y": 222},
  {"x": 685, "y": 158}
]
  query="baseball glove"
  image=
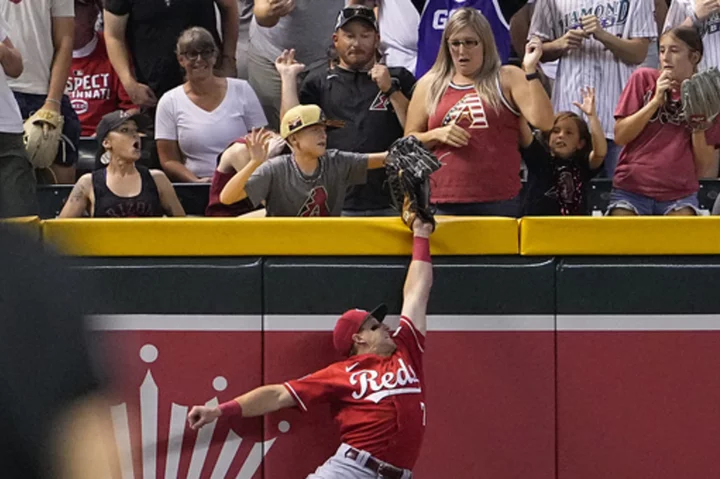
[
  {"x": 701, "y": 98},
  {"x": 409, "y": 166},
  {"x": 42, "y": 137}
]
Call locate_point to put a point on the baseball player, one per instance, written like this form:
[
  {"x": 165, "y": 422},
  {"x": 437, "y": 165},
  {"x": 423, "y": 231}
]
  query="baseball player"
[
  {"x": 703, "y": 15},
  {"x": 377, "y": 391},
  {"x": 599, "y": 44}
]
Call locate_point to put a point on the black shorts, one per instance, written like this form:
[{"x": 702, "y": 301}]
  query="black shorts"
[{"x": 67, "y": 154}]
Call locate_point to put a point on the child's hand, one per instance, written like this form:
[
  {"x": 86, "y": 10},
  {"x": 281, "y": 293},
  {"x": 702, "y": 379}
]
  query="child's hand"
[
  {"x": 588, "y": 101},
  {"x": 258, "y": 144}
]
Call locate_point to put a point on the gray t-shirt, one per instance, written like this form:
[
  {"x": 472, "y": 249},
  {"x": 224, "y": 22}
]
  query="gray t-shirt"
[
  {"x": 308, "y": 29},
  {"x": 287, "y": 191}
]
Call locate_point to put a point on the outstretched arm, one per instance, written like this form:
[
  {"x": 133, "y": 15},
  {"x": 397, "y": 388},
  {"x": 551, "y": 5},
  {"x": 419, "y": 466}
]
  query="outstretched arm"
[
  {"x": 419, "y": 277},
  {"x": 259, "y": 401}
]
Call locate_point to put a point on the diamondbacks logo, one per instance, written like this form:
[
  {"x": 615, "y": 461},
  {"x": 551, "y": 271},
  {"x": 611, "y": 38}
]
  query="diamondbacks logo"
[
  {"x": 295, "y": 123},
  {"x": 380, "y": 103},
  {"x": 316, "y": 203},
  {"x": 468, "y": 112}
]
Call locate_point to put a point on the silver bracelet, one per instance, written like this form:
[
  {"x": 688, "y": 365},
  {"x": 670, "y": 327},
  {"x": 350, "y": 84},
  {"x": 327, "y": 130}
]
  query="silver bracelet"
[{"x": 52, "y": 100}]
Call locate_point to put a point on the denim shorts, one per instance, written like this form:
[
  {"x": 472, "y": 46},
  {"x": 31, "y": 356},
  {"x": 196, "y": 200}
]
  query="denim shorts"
[
  {"x": 644, "y": 205},
  {"x": 67, "y": 154}
]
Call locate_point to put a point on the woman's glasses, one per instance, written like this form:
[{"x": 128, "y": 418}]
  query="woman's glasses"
[
  {"x": 192, "y": 56},
  {"x": 468, "y": 44}
]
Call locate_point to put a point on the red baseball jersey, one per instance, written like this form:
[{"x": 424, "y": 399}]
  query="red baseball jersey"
[
  {"x": 93, "y": 86},
  {"x": 378, "y": 402}
]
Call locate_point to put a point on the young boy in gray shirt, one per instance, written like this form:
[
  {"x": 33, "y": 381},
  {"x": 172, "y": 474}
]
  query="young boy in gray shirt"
[{"x": 311, "y": 181}]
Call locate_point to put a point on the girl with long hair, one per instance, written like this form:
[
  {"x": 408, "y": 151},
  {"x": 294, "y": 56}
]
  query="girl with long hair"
[
  {"x": 664, "y": 152},
  {"x": 467, "y": 110},
  {"x": 561, "y": 163}
]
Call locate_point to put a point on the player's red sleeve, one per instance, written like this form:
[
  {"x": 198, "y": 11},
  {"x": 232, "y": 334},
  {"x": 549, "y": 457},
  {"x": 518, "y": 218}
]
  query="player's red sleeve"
[
  {"x": 313, "y": 388},
  {"x": 409, "y": 339},
  {"x": 637, "y": 92}
]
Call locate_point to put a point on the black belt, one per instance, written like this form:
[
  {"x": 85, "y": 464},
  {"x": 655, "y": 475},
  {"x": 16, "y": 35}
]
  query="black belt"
[{"x": 382, "y": 469}]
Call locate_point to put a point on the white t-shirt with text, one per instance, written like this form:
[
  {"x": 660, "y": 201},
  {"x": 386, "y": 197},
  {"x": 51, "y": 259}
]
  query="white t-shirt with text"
[
  {"x": 10, "y": 119},
  {"x": 203, "y": 135},
  {"x": 31, "y": 31}
]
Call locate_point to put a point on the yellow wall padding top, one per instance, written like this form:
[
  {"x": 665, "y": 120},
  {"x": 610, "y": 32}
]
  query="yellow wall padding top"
[
  {"x": 276, "y": 236},
  {"x": 620, "y": 236},
  {"x": 29, "y": 225}
]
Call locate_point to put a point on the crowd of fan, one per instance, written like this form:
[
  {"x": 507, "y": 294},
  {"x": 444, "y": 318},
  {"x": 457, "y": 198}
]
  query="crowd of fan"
[{"x": 288, "y": 107}]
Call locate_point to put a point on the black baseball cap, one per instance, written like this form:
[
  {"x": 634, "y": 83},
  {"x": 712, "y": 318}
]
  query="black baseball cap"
[
  {"x": 356, "y": 12},
  {"x": 115, "y": 120}
]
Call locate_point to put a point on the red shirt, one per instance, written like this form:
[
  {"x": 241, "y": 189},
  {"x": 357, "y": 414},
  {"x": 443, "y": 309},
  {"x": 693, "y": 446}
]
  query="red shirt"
[
  {"x": 488, "y": 168},
  {"x": 93, "y": 86},
  {"x": 215, "y": 207},
  {"x": 378, "y": 402},
  {"x": 659, "y": 163}
]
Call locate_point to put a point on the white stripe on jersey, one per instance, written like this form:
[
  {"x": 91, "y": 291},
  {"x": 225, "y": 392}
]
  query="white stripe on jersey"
[
  {"x": 682, "y": 9},
  {"x": 593, "y": 64}
]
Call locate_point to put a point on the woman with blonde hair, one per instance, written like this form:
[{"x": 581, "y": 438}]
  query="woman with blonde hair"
[{"x": 467, "y": 109}]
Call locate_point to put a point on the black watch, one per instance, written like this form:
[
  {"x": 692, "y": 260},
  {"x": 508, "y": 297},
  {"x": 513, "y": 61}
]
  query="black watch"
[
  {"x": 532, "y": 76},
  {"x": 393, "y": 88}
]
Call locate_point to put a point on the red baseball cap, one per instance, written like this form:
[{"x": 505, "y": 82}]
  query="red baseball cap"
[{"x": 349, "y": 323}]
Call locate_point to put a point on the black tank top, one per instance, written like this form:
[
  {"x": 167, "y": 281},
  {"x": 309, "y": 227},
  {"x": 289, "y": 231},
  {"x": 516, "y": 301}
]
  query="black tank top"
[{"x": 109, "y": 205}]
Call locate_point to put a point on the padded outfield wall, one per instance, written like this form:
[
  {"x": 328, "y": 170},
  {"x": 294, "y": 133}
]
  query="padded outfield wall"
[{"x": 557, "y": 348}]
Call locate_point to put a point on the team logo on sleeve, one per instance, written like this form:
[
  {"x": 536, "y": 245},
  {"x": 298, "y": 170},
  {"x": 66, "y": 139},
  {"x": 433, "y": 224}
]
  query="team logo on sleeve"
[
  {"x": 316, "y": 203},
  {"x": 468, "y": 112}
]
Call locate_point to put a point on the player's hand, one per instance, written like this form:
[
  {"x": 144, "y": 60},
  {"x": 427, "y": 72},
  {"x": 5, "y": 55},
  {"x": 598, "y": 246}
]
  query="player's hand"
[
  {"x": 258, "y": 144},
  {"x": 201, "y": 415},
  {"x": 140, "y": 94},
  {"x": 533, "y": 52},
  {"x": 276, "y": 144},
  {"x": 381, "y": 76},
  {"x": 280, "y": 8},
  {"x": 663, "y": 85},
  {"x": 588, "y": 101},
  {"x": 572, "y": 40},
  {"x": 287, "y": 66},
  {"x": 592, "y": 26},
  {"x": 452, "y": 135},
  {"x": 421, "y": 228},
  {"x": 705, "y": 8}
]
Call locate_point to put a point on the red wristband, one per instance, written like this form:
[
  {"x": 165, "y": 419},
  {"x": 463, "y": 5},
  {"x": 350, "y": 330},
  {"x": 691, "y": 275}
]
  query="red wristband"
[
  {"x": 421, "y": 249},
  {"x": 231, "y": 408}
]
